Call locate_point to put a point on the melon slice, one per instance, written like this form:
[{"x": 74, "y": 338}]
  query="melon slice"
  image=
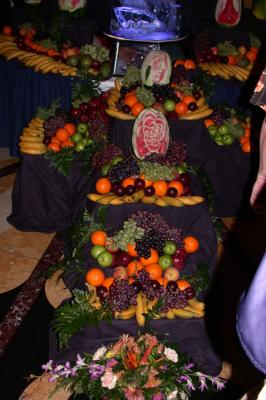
[{"x": 228, "y": 12}]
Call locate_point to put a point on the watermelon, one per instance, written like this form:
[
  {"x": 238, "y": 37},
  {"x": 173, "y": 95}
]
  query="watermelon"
[
  {"x": 228, "y": 12},
  {"x": 156, "y": 68},
  {"x": 150, "y": 133}
]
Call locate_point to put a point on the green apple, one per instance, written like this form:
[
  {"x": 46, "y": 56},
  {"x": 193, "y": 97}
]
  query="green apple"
[
  {"x": 165, "y": 261},
  {"x": 105, "y": 259},
  {"x": 105, "y": 169},
  {"x": 169, "y": 247},
  {"x": 212, "y": 130},
  {"x": 116, "y": 160},
  {"x": 96, "y": 250},
  {"x": 79, "y": 147},
  {"x": 82, "y": 128},
  {"x": 228, "y": 139},
  {"x": 169, "y": 105},
  {"x": 76, "y": 138},
  {"x": 223, "y": 130},
  {"x": 181, "y": 170}
]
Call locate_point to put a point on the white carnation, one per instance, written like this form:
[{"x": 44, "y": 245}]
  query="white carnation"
[
  {"x": 171, "y": 354},
  {"x": 99, "y": 353}
]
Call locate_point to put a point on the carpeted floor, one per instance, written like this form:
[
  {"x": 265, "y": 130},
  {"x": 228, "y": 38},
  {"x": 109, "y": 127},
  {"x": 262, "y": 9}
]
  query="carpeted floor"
[{"x": 26, "y": 312}]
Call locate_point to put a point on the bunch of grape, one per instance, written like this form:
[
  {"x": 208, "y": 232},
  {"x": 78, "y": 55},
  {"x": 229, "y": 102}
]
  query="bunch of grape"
[
  {"x": 124, "y": 169},
  {"x": 220, "y": 115},
  {"x": 151, "y": 288},
  {"x": 98, "y": 129},
  {"x": 179, "y": 74},
  {"x": 151, "y": 222},
  {"x": 150, "y": 241},
  {"x": 155, "y": 171},
  {"x": 121, "y": 295},
  {"x": 53, "y": 123},
  {"x": 176, "y": 154},
  {"x": 128, "y": 234},
  {"x": 173, "y": 298},
  {"x": 163, "y": 92},
  {"x": 105, "y": 155}
]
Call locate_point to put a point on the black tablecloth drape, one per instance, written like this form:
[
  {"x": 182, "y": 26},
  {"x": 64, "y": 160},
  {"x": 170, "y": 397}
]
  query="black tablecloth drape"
[
  {"x": 22, "y": 91},
  {"x": 227, "y": 166},
  {"x": 191, "y": 335},
  {"x": 44, "y": 200}
]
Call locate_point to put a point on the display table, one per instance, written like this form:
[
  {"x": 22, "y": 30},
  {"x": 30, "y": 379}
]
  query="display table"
[
  {"x": 227, "y": 166},
  {"x": 191, "y": 334},
  {"x": 22, "y": 91}
]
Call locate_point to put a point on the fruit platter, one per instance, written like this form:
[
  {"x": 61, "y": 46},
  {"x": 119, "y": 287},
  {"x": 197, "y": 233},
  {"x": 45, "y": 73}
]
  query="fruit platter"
[
  {"x": 159, "y": 85},
  {"x": 46, "y": 56},
  {"x": 225, "y": 127},
  {"x": 225, "y": 59}
]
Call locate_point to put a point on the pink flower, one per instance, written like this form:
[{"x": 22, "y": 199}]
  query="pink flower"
[
  {"x": 132, "y": 393},
  {"x": 109, "y": 380},
  {"x": 150, "y": 133}
]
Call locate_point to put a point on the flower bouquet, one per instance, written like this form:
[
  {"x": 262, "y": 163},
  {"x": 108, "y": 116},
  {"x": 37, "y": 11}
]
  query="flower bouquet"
[{"x": 133, "y": 369}]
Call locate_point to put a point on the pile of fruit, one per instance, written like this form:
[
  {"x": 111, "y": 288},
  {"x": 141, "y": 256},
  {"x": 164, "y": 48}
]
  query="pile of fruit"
[
  {"x": 226, "y": 60},
  {"x": 145, "y": 258},
  {"x": 225, "y": 129},
  {"x": 45, "y": 56},
  {"x": 176, "y": 97}
]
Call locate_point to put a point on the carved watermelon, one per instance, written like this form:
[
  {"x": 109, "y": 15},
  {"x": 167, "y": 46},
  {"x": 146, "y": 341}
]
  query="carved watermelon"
[
  {"x": 150, "y": 133},
  {"x": 156, "y": 68},
  {"x": 228, "y": 12}
]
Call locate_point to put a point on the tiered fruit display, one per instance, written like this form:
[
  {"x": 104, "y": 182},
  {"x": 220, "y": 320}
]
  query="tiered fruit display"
[
  {"x": 179, "y": 98},
  {"x": 225, "y": 129},
  {"x": 45, "y": 55},
  {"x": 152, "y": 181},
  {"x": 228, "y": 61},
  {"x": 146, "y": 257}
]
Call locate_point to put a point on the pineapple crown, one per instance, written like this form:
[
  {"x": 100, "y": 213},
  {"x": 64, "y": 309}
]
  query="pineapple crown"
[
  {"x": 145, "y": 96},
  {"x": 47, "y": 112}
]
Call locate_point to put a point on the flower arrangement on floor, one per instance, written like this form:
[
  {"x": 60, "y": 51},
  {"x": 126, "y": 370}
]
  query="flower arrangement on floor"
[{"x": 133, "y": 369}]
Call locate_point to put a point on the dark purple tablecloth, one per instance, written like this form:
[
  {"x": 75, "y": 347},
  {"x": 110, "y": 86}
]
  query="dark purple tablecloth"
[
  {"x": 191, "y": 334},
  {"x": 227, "y": 166},
  {"x": 44, "y": 200}
]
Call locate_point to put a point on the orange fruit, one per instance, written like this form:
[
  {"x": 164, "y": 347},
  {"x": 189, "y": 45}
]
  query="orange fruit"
[
  {"x": 231, "y": 60},
  {"x": 71, "y": 128},
  {"x": 131, "y": 100},
  {"x": 54, "y": 140},
  {"x": 188, "y": 99},
  {"x": 148, "y": 182},
  {"x": 190, "y": 64},
  {"x": 182, "y": 284},
  {"x": 179, "y": 62},
  {"x": 108, "y": 282},
  {"x": 68, "y": 143},
  {"x": 191, "y": 244},
  {"x": 181, "y": 108},
  {"x": 155, "y": 271},
  {"x": 153, "y": 259},
  {"x": 133, "y": 267},
  {"x": 243, "y": 139},
  {"x": 7, "y": 30},
  {"x": 178, "y": 185},
  {"x": 62, "y": 134},
  {"x": 160, "y": 187},
  {"x": 131, "y": 250},
  {"x": 128, "y": 181},
  {"x": 251, "y": 55},
  {"x": 98, "y": 237},
  {"x": 246, "y": 147},
  {"x": 103, "y": 185},
  {"x": 162, "y": 281},
  {"x": 208, "y": 122},
  {"x": 137, "y": 108},
  {"x": 247, "y": 132},
  {"x": 95, "y": 277},
  {"x": 54, "y": 147}
]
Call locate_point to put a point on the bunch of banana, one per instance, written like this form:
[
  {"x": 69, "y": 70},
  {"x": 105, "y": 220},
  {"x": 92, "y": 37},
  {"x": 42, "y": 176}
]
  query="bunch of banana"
[
  {"x": 114, "y": 95},
  {"x": 202, "y": 112},
  {"x": 40, "y": 63},
  {"x": 226, "y": 71},
  {"x": 31, "y": 140},
  {"x": 162, "y": 201},
  {"x": 127, "y": 314}
]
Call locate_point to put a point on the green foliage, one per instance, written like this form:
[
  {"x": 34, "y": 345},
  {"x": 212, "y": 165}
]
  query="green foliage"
[
  {"x": 98, "y": 53},
  {"x": 254, "y": 41},
  {"x": 84, "y": 91},
  {"x": 47, "y": 112},
  {"x": 71, "y": 317},
  {"x": 227, "y": 48},
  {"x": 61, "y": 161},
  {"x": 131, "y": 77},
  {"x": 206, "y": 83},
  {"x": 200, "y": 280}
]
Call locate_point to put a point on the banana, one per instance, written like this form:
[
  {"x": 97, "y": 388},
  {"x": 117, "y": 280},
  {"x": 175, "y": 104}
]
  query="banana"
[
  {"x": 151, "y": 304},
  {"x": 221, "y": 72},
  {"x": 129, "y": 199},
  {"x": 173, "y": 201},
  {"x": 170, "y": 314},
  {"x": 127, "y": 314},
  {"x": 94, "y": 196},
  {"x": 118, "y": 114},
  {"x": 112, "y": 100},
  {"x": 32, "y": 132},
  {"x": 48, "y": 68},
  {"x": 197, "y": 305},
  {"x": 14, "y": 54},
  {"x": 161, "y": 202},
  {"x": 149, "y": 199},
  {"x": 191, "y": 200},
  {"x": 181, "y": 313},
  {"x": 115, "y": 92},
  {"x": 32, "y": 145},
  {"x": 145, "y": 304},
  {"x": 197, "y": 313},
  {"x": 195, "y": 113},
  {"x": 199, "y": 115},
  {"x": 117, "y": 84},
  {"x": 26, "y": 138},
  {"x": 138, "y": 195},
  {"x": 140, "y": 310},
  {"x": 117, "y": 202},
  {"x": 106, "y": 199},
  {"x": 201, "y": 101},
  {"x": 32, "y": 151}
]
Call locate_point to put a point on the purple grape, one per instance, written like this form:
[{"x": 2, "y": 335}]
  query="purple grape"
[
  {"x": 149, "y": 191},
  {"x": 189, "y": 292},
  {"x": 139, "y": 183},
  {"x": 192, "y": 106},
  {"x": 130, "y": 189},
  {"x": 171, "y": 192}
]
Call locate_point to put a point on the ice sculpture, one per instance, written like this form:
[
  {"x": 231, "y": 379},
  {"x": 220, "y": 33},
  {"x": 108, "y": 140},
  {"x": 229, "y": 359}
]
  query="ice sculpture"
[{"x": 147, "y": 20}]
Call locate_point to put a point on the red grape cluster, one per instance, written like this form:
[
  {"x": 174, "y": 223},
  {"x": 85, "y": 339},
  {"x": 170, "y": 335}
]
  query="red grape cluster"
[
  {"x": 105, "y": 155},
  {"x": 176, "y": 154},
  {"x": 124, "y": 169},
  {"x": 121, "y": 295}
]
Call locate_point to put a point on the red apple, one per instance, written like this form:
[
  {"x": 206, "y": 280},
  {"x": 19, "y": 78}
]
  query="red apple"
[
  {"x": 122, "y": 258},
  {"x": 120, "y": 272},
  {"x": 171, "y": 274},
  {"x": 178, "y": 262}
]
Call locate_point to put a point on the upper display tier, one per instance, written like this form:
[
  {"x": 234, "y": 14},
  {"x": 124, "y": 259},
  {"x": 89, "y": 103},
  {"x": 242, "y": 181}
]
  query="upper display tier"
[{"x": 147, "y": 20}]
